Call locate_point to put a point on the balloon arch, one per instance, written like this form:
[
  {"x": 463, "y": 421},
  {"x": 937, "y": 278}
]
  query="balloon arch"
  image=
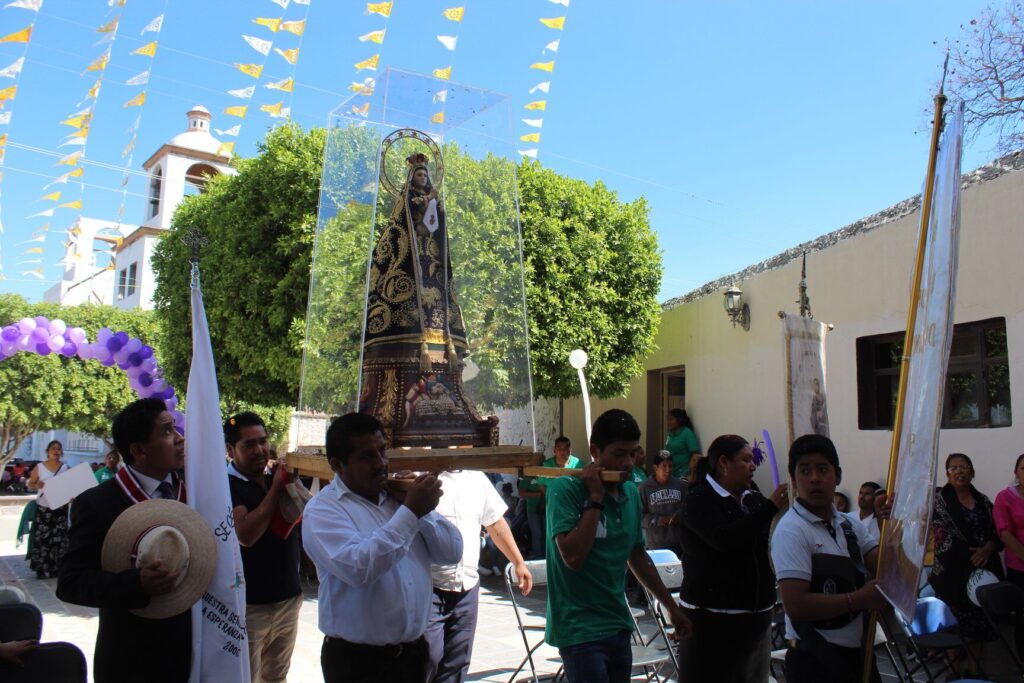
[{"x": 42, "y": 336}]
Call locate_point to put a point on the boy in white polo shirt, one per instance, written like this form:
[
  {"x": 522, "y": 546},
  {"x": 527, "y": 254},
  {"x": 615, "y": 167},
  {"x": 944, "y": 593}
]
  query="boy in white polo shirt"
[{"x": 821, "y": 559}]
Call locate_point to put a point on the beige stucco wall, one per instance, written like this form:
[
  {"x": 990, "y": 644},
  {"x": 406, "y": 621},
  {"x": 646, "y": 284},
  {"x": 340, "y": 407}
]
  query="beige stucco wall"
[{"x": 735, "y": 379}]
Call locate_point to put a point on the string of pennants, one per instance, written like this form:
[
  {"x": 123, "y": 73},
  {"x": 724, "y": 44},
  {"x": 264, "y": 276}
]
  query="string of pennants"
[
  {"x": 376, "y": 36},
  {"x": 453, "y": 14},
  {"x": 542, "y": 89}
]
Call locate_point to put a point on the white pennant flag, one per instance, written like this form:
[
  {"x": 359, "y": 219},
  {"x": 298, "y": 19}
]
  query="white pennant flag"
[
  {"x": 532, "y": 153},
  {"x": 232, "y": 131},
  {"x": 244, "y": 93},
  {"x": 44, "y": 214},
  {"x": 5, "y": 118},
  {"x": 139, "y": 79},
  {"x": 534, "y": 123},
  {"x": 448, "y": 41},
  {"x": 14, "y": 69},
  {"x": 220, "y": 651},
  {"x": 553, "y": 46},
  {"x": 563, "y": 3},
  {"x": 30, "y": 262},
  {"x": 258, "y": 44},
  {"x": 33, "y": 273},
  {"x": 543, "y": 87},
  {"x": 441, "y": 96},
  {"x": 283, "y": 4},
  {"x": 301, "y": 2},
  {"x": 154, "y": 25},
  {"x": 73, "y": 142},
  {"x": 31, "y": 5}
]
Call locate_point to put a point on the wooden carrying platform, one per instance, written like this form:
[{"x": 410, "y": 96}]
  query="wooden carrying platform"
[{"x": 486, "y": 459}]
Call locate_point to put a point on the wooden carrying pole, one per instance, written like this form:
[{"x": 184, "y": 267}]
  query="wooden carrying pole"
[{"x": 908, "y": 342}]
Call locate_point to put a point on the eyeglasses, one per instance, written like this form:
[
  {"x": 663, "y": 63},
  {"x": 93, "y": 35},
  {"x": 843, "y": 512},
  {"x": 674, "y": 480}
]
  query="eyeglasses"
[{"x": 958, "y": 468}]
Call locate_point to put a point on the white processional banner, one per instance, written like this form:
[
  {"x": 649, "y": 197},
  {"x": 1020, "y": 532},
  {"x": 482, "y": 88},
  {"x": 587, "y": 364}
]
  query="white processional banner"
[
  {"x": 220, "y": 649},
  {"x": 906, "y": 536},
  {"x": 806, "y": 408}
]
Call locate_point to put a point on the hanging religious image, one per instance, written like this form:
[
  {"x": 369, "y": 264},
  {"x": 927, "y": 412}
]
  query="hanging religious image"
[
  {"x": 415, "y": 343},
  {"x": 807, "y": 407}
]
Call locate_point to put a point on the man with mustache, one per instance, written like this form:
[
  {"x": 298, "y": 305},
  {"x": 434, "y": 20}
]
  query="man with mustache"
[
  {"x": 373, "y": 554},
  {"x": 270, "y": 553}
]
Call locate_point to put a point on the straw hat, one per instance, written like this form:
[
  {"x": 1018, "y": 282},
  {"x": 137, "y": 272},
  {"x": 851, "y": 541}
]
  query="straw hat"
[{"x": 173, "y": 533}]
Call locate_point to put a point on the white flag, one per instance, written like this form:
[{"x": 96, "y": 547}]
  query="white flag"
[
  {"x": 448, "y": 41},
  {"x": 44, "y": 214},
  {"x": 441, "y": 96},
  {"x": 532, "y": 153},
  {"x": 553, "y": 46},
  {"x": 34, "y": 273},
  {"x": 5, "y": 118},
  {"x": 74, "y": 142},
  {"x": 107, "y": 38},
  {"x": 139, "y": 79},
  {"x": 543, "y": 87},
  {"x": 301, "y": 2},
  {"x": 154, "y": 25},
  {"x": 232, "y": 131},
  {"x": 243, "y": 92},
  {"x": 563, "y": 3},
  {"x": 220, "y": 651},
  {"x": 258, "y": 44},
  {"x": 283, "y": 4},
  {"x": 534, "y": 123},
  {"x": 14, "y": 69},
  {"x": 32, "y": 5}
]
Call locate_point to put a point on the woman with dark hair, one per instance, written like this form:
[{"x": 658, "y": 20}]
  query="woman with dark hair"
[
  {"x": 1009, "y": 516},
  {"x": 965, "y": 542},
  {"x": 50, "y": 530},
  {"x": 681, "y": 442},
  {"x": 728, "y": 589}
]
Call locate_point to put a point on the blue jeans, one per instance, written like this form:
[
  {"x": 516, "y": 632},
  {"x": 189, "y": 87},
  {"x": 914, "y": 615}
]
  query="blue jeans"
[
  {"x": 536, "y": 520},
  {"x": 608, "y": 660},
  {"x": 451, "y": 627}
]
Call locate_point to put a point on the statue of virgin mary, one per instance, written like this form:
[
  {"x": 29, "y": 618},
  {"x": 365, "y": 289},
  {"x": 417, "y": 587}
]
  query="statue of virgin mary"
[{"x": 415, "y": 338}]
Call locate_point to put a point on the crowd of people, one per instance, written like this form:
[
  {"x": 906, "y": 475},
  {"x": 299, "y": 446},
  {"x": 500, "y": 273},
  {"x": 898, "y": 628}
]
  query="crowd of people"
[{"x": 398, "y": 567}]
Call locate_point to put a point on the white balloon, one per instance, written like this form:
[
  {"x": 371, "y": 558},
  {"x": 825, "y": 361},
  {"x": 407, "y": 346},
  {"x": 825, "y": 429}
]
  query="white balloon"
[{"x": 578, "y": 359}]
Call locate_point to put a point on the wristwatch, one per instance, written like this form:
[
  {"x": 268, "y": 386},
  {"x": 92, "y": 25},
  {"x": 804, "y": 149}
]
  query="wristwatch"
[{"x": 591, "y": 505}]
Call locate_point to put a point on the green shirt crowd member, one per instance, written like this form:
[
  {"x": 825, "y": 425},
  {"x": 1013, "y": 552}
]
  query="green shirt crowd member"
[
  {"x": 532, "y": 488},
  {"x": 681, "y": 442},
  {"x": 110, "y": 461},
  {"x": 594, "y": 532}
]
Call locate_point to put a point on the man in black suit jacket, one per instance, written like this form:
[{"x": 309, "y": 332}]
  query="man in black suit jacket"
[{"x": 130, "y": 648}]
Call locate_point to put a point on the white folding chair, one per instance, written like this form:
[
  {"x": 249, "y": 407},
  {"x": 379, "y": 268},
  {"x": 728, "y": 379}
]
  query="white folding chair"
[
  {"x": 539, "y": 571},
  {"x": 670, "y": 569}
]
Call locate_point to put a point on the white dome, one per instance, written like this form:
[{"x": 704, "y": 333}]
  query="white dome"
[{"x": 197, "y": 140}]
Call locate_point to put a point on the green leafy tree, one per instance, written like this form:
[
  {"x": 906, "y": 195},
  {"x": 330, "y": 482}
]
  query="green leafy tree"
[
  {"x": 54, "y": 392},
  {"x": 592, "y": 270}
]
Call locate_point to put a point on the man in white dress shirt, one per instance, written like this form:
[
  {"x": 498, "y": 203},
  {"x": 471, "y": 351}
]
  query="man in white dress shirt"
[
  {"x": 373, "y": 554},
  {"x": 470, "y": 503}
]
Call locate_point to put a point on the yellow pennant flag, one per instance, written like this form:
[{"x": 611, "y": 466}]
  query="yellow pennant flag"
[
  {"x": 362, "y": 109},
  {"x": 225, "y": 149},
  {"x": 370, "y": 63},
  {"x": 272, "y": 109},
  {"x": 290, "y": 56},
  {"x": 530, "y": 137},
  {"x": 543, "y": 66},
  {"x": 147, "y": 50},
  {"x": 287, "y": 85},
  {"x": 253, "y": 70},
  {"x": 136, "y": 101},
  {"x": 239, "y": 111},
  {"x": 100, "y": 63},
  {"x": 77, "y": 173},
  {"x": 364, "y": 88},
  {"x": 437, "y": 118},
  {"x": 77, "y": 204},
  {"x": 539, "y": 105},
  {"x": 94, "y": 91},
  {"x": 77, "y": 121},
  {"x": 71, "y": 159},
  {"x": 82, "y": 132},
  {"x": 53, "y": 196},
  {"x": 381, "y": 8},
  {"x": 444, "y": 74},
  {"x": 108, "y": 27},
  {"x": 8, "y": 93},
  {"x": 373, "y": 37},
  {"x": 295, "y": 27},
  {"x": 454, "y": 13},
  {"x": 34, "y": 250},
  {"x": 22, "y": 36},
  {"x": 3, "y": 140},
  {"x": 555, "y": 22},
  {"x": 272, "y": 24}
]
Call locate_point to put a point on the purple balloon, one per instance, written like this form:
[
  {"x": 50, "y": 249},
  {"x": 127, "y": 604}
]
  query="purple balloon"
[
  {"x": 146, "y": 351},
  {"x": 134, "y": 359},
  {"x": 114, "y": 344},
  {"x": 40, "y": 335},
  {"x": 43, "y": 349},
  {"x": 70, "y": 349},
  {"x": 108, "y": 362},
  {"x": 10, "y": 333},
  {"x": 122, "y": 337},
  {"x": 9, "y": 348},
  {"x": 42, "y": 321},
  {"x": 145, "y": 379},
  {"x": 124, "y": 366},
  {"x": 103, "y": 335},
  {"x": 26, "y": 325}
]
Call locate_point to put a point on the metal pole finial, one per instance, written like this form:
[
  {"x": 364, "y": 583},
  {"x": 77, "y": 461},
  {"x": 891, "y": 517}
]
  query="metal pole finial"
[{"x": 195, "y": 240}]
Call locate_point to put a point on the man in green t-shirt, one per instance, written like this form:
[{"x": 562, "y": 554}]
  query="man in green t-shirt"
[
  {"x": 111, "y": 460},
  {"x": 594, "y": 533},
  {"x": 532, "y": 490}
]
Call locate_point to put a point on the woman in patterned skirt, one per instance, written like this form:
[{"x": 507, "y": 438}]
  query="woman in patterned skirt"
[{"x": 50, "y": 531}]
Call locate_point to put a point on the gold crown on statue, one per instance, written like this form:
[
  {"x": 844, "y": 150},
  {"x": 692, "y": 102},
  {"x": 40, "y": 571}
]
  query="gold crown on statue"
[{"x": 417, "y": 159}]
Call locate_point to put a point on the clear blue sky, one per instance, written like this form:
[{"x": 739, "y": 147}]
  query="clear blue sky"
[{"x": 748, "y": 126}]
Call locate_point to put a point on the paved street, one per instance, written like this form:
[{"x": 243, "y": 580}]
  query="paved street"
[{"x": 498, "y": 649}]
